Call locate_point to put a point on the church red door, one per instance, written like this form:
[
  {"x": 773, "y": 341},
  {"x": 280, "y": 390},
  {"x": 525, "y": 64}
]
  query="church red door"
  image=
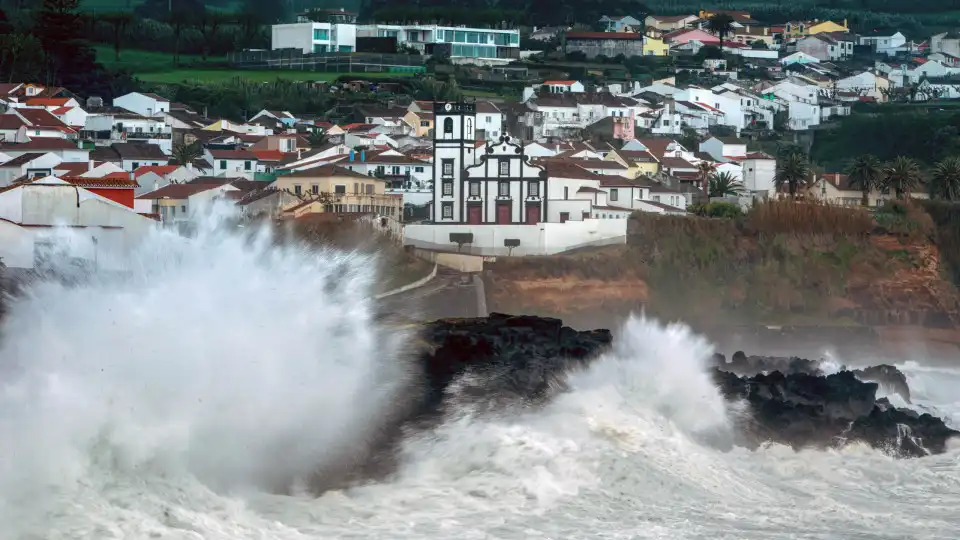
[
  {"x": 474, "y": 214},
  {"x": 503, "y": 213},
  {"x": 533, "y": 214}
]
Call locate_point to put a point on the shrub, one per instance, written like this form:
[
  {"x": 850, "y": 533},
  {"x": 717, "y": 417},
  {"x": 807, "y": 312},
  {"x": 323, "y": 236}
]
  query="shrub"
[
  {"x": 904, "y": 218},
  {"x": 794, "y": 217}
]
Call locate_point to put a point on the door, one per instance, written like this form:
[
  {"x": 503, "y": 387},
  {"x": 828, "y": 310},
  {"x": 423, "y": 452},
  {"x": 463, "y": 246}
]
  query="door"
[
  {"x": 564, "y": 216},
  {"x": 503, "y": 213},
  {"x": 474, "y": 214},
  {"x": 533, "y": 214}
]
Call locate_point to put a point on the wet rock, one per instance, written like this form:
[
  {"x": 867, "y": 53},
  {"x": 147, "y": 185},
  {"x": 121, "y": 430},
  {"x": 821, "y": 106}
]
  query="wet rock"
[
  {"x": 889, "y": 377},
  {"x": 742, "y": 364}
]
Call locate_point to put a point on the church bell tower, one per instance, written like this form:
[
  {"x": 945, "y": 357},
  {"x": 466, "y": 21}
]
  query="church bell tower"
[{"x": 454, "y": 140}]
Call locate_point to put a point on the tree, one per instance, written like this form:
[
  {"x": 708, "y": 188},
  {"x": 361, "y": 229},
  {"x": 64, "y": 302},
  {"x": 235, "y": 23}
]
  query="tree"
[
  {"x": 118, "y": 22},
  {"x": 185, "y": 154},
  {"x": 792, "y": 171},
  {"x": 208, "y": 23},
  {"x": 178, "y": 21},
  {"x": 58, "y": 28},
  {"x": 724, "y": 184},
  {"x": 720, "y": 24},
  {"x": 902, "y": 175},
  {"x": 705, "y": 169},
  {"x": 317, "y": 138},
  {"x": 21, "y": 57},
  {"x": 866, "y": 172},
  {"x": 945, "y": 180}
]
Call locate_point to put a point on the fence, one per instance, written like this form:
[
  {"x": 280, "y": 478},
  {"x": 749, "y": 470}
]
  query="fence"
[{"x": 330, "y": 63}]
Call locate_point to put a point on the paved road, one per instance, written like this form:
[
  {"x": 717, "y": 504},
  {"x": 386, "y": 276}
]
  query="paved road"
[{"x": 450, "y": 294}]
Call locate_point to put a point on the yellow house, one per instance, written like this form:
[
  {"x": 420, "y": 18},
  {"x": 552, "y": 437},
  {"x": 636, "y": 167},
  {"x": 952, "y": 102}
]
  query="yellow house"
[
  {"x": 332, "y": 188},
  {"x": 654, "y": 47},
  {"x": 827, "y": 26},
  {"x": 706, "y": 13},
  {"x": 637, "y": 162},
  {"x": 422, "y": 122}
]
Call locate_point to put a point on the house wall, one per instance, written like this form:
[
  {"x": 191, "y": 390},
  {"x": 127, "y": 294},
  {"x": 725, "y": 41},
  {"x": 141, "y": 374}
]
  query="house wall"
[
  {"x": 758, "y": 174},
  {"x": 141, "y": 104},
  {"x": 606, "y": 47},
  {"x": 16, "y": 245},
  {"x": 540, "y": 239}
]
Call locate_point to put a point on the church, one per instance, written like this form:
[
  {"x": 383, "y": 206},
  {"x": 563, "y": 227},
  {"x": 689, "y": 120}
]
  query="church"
[{"x": 499, "y": 187}]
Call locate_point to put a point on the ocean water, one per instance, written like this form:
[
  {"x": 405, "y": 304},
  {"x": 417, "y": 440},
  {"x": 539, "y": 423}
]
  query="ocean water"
[{"x": 224, "y": 371}]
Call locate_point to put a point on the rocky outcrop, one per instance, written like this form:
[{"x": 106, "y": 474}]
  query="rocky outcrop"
[
  {"x": 741, "y": 364},
  {"x": 889, "y": 377}
]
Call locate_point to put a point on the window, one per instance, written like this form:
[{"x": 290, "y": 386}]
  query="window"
[
  {"x": 246, "y": 165},
  {"x": 369, "y": 189},
  {"x": 448, "y": 188},
  {"x": 448, "y": 126},
  {"x": 533, "y": 188},
  {"x": 223, "y": 164},
  {"x": 474, "y": 189},
  {"x": 136, "y": 164},
  {"x": 614, "y": 194},
  {"x": 356, "y": 188},
  {"x": 447, "y": 167},
  {"x": 425, "y": 123},
  {"x": 183, "y": 209},
  {"x": 315, "y": 189},
  {"x": 340, "y": 189},
  {"x": 489, "y": 119},
  {"x": 566, "y": 193},
  {"x": 297, "y": 190},
  {"x": 504, "y": 167},
  {"x": 321, "y": 35},
  {"x": 503, "y": 189},
  {"x": 418, "y": 169},
  {"x": 447, "y": 209}
]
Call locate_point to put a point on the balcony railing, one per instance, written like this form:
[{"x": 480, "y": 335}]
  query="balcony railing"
[{"x": 143, "y": 135}]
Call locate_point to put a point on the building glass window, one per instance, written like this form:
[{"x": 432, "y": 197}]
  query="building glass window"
[
  {"x": 137, "y": 165},
  {"x": 448, "y": 188},
  {"x": 315, "y": 189},
  {"x": 448, "y": 126},
  {"x": 533, "y": 189},
  {"x": 418, "y": 169},
  {"x": 474, "y": 189},
  {"x": 447, "y": 167},
  {"x": 504, "y": 189},
  {"x": 504, "y": 167},
  {"x": 368, "y": 189},
  {"x": 297, "y": 190},
  {"x": 246, "y": 165},
  {"x": 614, "y": 194},
  {"x": 447, "y": 209},
  {"x": 320, "y": 34},
  {"x": 223, "y": 164},
  {"x": 340, "y": 189},
  {"x": 460, "y": 37}
]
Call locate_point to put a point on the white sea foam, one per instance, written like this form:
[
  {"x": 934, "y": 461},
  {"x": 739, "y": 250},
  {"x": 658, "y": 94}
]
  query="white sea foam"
[{"x": 173, "y": 404}]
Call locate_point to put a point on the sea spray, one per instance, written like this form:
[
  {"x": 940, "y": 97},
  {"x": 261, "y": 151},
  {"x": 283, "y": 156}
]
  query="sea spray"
[{"x": 225, "y": 357}]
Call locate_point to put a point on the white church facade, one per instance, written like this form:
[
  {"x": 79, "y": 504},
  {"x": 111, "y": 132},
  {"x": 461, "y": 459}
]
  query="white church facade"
[{"x": 498, "y": 202}]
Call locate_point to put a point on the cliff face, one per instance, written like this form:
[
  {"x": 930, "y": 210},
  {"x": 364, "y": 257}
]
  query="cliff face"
[{"x": 721, "y": 278}]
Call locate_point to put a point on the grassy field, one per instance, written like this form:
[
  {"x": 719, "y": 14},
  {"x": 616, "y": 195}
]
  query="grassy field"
[
  {"x": 218, "y": 75},
  {"x": 140, "y": 61}
]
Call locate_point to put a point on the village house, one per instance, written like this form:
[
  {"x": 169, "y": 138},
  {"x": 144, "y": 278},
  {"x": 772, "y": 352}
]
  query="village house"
[
  {"x": 40, "y": 123},
  {"x": 130, "y": 155},
  {"x": 593, "y": 44},
  {"x": 836, "y": 188},
  {"x": 67, "y": 150},
  {"x": 108, "y": 125},
  {"x": 663, "y": 24},
  {"x": 179, "y": 205},
  {"x": 153, "y": 177},
  {"x": 28, "y": 165},
  {"x": 144, "y": 104},
  {"x": 885, "y": 44},
  {"x": 824, "y": 47},
  {"x": 339, "y": 190},
  {"x": 232, "y": 163},
  {"x": 107, "y": 230},
  {"x": 621, "y": 24}
]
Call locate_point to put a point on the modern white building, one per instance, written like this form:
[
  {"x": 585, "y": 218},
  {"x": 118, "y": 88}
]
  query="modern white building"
[
  {"x": 142, "y": 103},
  {"x": 315, "y": 37},
  {"x": 482, "y": 45}
]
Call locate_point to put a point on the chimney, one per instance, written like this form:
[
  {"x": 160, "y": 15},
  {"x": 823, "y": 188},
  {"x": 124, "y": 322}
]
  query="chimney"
[
  {"x": 766, "y": 31},
  {"x": 90, "y": 165}
]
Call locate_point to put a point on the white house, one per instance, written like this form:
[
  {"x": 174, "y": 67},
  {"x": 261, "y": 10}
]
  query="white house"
[
  {"x": 232, "y": 163},
  {"x": 759, "y": 170},
  {"x": 724, "y": 148},
  {"x": 68, "y": 150},
  {"x": 142, "y": 103},
  {"x": 481, "y": 46},
  {"x": 150, "y": 178},
  {"x": 798, "y": 57},
  {"x": 31, "y": 165},
  {"x": 824, "y": 47},
  {"x": 889, "y": 45},
  {"x": 866, "y": 83},
  {"x": 315, "y": 37},
  {"x": 489, "y": 121},
  {"x": 105, "y": 231}
]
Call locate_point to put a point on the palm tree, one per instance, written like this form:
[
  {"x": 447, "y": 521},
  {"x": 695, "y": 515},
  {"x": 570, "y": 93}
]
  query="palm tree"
[
  {"x": 901, "y": 175},
  {"x": 945, "y": 180},
  {"x": 792, "y": 171},
  {"x": 185, "y": 154},
  {"x": 316, "y": 138},
  {"x": 705, "y": 169},
  {"x": 720, "y": 24},
  {"x": 724, "y": 184},
  {"x": 867, "y": 173}
]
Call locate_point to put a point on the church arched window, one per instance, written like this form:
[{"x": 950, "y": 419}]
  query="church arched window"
[
  {"x": 469, "y": 127},
  {"x": 448, "y": 126}
]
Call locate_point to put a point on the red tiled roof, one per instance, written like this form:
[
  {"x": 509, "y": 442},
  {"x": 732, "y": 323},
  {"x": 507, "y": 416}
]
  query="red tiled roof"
[
  {"x": 110, "y": 181},
  {"x": 61, "y": 110},
  {"x": 160, "y": 170},
  {"x": 11, "y": 121},
  {"x": 588, "y": 189},
  {"x": 41, "y": 118},
  {"x": 47, "y": 102},
  {"x": 561, "y": 83},
  {"x": 41, "y": 143},
  {"x": 604, "y": 35},
  {"x": 677, "y": 163},
  {"x": 268, "y": 155}
]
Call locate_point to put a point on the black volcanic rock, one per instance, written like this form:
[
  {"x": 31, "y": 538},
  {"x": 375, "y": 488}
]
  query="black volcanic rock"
[
  {"x": 887, "y": 376},
  {"x": 742, "y": 364},
  {"x": 806, "y": 410}
]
